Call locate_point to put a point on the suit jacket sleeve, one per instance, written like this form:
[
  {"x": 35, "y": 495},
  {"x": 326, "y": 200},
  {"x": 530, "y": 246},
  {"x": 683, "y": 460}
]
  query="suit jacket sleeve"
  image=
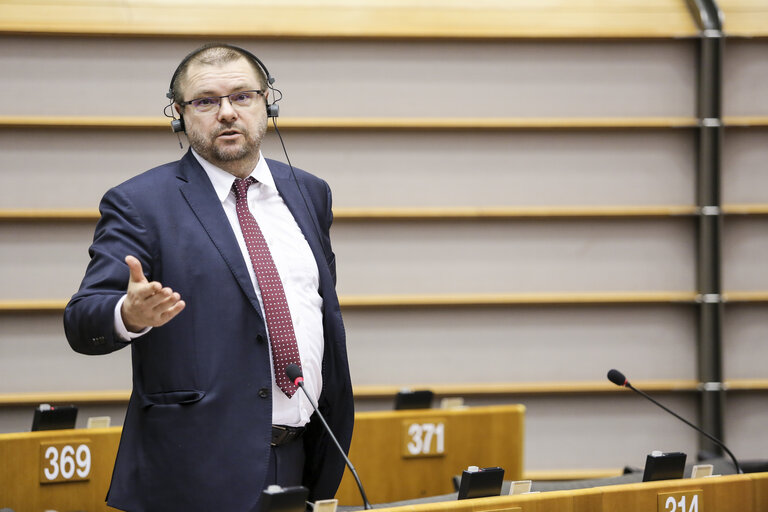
[{"x": 89, "y": 316}]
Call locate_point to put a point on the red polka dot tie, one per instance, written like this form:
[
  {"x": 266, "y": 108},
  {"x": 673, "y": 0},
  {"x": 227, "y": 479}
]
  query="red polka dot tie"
[{"x": 281, "y": 336}]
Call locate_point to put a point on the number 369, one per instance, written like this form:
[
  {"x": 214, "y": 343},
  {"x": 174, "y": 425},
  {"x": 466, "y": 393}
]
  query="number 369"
[{"x": 64, "y": 462}]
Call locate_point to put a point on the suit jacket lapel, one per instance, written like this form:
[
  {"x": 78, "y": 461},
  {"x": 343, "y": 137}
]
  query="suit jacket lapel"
[
  {"x": 201, "y": 197},
  {"x": 305, "y": 218}
]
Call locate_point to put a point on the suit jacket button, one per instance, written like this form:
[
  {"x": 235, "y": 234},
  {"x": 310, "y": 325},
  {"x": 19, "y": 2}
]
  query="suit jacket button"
[
  {"x": 263, "y": 392},
  {"x": 260, "y": 338}
]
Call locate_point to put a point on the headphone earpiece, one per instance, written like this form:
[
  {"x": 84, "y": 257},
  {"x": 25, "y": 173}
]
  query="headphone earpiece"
[
  {"x": 177, "y": 125},
  {"x": 273, "y": 110}
]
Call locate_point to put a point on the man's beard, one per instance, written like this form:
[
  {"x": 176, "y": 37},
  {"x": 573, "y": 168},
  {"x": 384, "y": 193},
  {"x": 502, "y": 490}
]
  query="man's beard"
[{"x": 206, "y": 146}]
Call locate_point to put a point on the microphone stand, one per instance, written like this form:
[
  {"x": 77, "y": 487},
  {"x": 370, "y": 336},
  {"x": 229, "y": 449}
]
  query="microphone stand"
[
  {"x": 616, "y": 377},
  {"x": 299, "y": 381}
]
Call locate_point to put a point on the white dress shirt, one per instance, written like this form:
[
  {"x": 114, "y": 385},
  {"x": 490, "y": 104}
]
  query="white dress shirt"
[{"x": 298, "y": 272}]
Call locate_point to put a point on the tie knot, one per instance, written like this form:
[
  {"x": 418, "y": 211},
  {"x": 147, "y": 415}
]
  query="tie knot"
[{"x": 240, "y": 187}]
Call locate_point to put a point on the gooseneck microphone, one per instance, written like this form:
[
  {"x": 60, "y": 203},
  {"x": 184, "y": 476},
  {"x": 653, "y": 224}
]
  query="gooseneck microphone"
[
  {"x": 620, "y": 380},
  {"x": 294, "y": 373}
]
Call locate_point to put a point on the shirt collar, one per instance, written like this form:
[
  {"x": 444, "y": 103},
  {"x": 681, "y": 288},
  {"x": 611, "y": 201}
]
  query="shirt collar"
[{"x": 222, "y": 181}]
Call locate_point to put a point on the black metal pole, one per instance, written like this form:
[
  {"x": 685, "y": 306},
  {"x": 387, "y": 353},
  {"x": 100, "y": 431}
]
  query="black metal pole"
[{"x": 710, "y": 221}]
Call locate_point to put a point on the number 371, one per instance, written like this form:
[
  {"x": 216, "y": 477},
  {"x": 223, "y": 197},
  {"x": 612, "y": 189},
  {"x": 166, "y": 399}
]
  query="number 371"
[{"x": 426, "y": 439}]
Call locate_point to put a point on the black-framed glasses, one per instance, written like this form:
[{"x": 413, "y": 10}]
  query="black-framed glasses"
[{"x": 239, "y": 99}]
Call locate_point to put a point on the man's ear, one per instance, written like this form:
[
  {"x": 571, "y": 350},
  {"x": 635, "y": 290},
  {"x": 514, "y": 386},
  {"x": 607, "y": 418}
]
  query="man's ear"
[{"x": 177, "y": 108}]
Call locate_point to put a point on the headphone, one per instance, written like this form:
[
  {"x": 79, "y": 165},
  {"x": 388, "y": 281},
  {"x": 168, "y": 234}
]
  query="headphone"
[{"x": 177, "y": 125}]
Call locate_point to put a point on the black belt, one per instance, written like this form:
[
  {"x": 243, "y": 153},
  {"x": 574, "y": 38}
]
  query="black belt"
[{"x": 282, "y": 434}]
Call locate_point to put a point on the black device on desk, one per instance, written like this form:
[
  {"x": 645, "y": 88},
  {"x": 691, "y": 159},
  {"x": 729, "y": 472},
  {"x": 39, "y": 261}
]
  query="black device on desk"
[
  {"x": 418, "y": 399},
  {"x": 284, "y": 499},
  {"x": 664, "y": 466},
  {"x": 480, "y": 482},
  {"x": 48, "y": 417}
]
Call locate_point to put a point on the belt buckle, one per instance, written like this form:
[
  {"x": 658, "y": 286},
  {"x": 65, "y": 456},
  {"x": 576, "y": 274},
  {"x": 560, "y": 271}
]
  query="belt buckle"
[{"x": 283, "y": 434}]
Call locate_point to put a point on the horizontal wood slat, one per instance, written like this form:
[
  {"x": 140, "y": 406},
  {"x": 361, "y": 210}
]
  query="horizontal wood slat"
[
  {"x": 571, "y": 474},
  {"x": 526, "y": 388},
  {"x": 465, "y": 300},
  {"x": 389, "y": 214},
  {"x": 440, "y": 390},
  {"x": 746, "y": 18},
  {"x": 505, "y": 212},
  {"x": 418, "y": 19},
  {"x": 455, "y": 300},
  {"x": 435, "y": 213},
  {"x": 751, "y": 296},
  {"x": 32, "y": 306},
  {"x": 65, "y": 397},
  {"x": 515, "y": 299},
  {"x": 745, "y": 209},
  {"x": 49, "y": 215},
  {"x": 371, "y": 123},
  {"x": 746, "y": 121}
]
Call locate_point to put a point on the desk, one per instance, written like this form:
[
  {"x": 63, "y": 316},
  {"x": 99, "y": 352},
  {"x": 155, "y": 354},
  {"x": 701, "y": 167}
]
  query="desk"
[
  {"x": 23, "y": 464},
  {"x": 484, "y": 436},
  {"x": 31, "y": 479},
  {"x": 478, "y": 436},
  {"x": 732, "y": 493}
]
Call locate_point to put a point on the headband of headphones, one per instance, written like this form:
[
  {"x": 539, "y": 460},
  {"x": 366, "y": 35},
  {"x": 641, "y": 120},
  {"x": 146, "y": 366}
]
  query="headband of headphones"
[{"x": 272, "y": 109}]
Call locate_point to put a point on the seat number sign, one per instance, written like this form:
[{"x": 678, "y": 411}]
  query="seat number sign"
[
  {"x": 423, "y": 438},
  {"x": 681, "y": 501},
  {"x": 65, "y": 461}
]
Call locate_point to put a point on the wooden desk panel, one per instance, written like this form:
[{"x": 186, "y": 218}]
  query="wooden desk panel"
[
  {"x": 487, "y": 436},
  {"x": 480, "y": 436},
  {"x": 720, "y": 494},
  {"x": 731, "y": 493},
  {"x": 21, "y": 490},
  {"x": 760, "y": 490},
  {"x": 20, "y": 471}
]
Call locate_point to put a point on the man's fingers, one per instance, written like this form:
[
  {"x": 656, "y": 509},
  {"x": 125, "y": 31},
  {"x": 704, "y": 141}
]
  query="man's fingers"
[
  {"x": 173, "y": 311},
  {"x": 141, "y": 292},
  {"x": 163, "y": 300},
  {"x": 134, "y": 266},
  {"x": 161, "y": 307},
  {"x": 166, "y": 311}
]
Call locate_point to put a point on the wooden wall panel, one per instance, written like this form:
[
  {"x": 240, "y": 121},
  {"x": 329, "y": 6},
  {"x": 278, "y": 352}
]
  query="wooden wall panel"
[
  {"x": 325, "y": 78},
  {"x": 384, "y": 168},
  {"x": 419, "y": 257},
  {"x": 745, "y": 73},
  {"x": 744, "y": 176},
  {"x": 745, "y": 243},
  {"x": 46, "y": 262},
  {"x": 744, "y": 424},
  {"x": 613, "y": 431},
  {"x": 522, "y": 344},
  {"x": 745, "y": 329},
  {"x": 35, "y": 356},
  {"x": 503, "y": 256}
]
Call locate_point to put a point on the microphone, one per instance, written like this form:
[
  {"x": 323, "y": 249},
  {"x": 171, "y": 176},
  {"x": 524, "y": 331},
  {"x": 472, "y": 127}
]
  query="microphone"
[
  {"x": 620, "y": 380},
  {"x": 294, "y": 373}
]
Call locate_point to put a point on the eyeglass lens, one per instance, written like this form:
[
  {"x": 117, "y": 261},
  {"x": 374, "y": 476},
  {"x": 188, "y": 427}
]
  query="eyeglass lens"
[{"x": 237, "y": 99}]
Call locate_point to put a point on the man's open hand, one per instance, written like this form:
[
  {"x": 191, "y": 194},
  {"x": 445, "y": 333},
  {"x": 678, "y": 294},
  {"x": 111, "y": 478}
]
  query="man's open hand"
[{"x": 147, "y": 304}]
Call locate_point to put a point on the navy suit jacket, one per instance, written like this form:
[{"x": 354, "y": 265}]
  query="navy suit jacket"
[{"x": 198, "y": 426}]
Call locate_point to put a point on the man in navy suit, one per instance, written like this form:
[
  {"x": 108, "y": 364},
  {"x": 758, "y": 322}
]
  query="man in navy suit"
[{"x": 172, "y": 276}]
